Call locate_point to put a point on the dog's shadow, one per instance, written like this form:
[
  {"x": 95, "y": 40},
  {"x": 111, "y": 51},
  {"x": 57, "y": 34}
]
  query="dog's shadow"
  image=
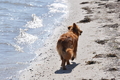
[{"x": 69, "y": 69}]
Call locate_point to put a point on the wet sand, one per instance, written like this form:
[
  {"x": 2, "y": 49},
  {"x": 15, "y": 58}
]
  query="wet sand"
[{"x": 98, "y": 56}]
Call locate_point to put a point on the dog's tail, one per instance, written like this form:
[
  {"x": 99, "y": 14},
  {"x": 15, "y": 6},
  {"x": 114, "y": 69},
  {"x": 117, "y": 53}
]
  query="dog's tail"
[{"x": 70, "y": 53}]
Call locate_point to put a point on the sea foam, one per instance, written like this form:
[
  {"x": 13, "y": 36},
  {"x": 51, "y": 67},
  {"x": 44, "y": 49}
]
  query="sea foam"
[
  {"x": 35, "y": 23},
  {"x": 25, "y": 38},
  {"x": 57, "y": 7}
]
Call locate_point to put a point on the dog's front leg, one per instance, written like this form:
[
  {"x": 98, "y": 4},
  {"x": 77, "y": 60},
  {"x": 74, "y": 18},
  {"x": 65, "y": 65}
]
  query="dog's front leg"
[{"x": 62, "y": 63}]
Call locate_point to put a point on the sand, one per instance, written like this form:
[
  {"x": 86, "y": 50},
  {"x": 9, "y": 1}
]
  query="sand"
[{"x": 98, "y": 55}]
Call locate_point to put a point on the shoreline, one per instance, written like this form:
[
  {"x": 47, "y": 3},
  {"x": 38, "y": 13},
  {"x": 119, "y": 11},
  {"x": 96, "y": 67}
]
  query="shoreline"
[{"x": 89, "y": 46}]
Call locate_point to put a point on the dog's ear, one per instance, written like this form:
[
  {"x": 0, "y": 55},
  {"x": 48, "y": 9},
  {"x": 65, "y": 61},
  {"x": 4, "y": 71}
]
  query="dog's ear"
[{"x": 74, "y": 26}]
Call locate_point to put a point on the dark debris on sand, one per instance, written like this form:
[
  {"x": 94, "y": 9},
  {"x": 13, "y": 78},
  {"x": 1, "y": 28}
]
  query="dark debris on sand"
[
  {"x": 101, "y": 41},
  {"x": 105, "y": 55},
  {"x": 108, "y": 79},
  {"x": 111, "y": 55},
  {"x": 84, "y": 3},
  {"x": 99, "y": 56},
  {"x": 112, "y": 69},
  {"x": 91, "y": 62},
  {"x": 112, "y": 25},
  {"x": 85, "y": 20},
  {"x": 89, "y": 11}
]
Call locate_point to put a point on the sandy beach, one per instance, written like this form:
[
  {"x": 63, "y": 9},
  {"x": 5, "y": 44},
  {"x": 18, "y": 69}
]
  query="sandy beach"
[{"x": 98, "y": 56}]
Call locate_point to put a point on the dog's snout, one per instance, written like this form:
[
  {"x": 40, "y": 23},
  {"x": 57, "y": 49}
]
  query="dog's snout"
[{"x": 81, "y": 32}]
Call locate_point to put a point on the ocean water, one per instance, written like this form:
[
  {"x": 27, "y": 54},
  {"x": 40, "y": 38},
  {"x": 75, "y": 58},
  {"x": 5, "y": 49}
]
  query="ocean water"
[{"x": 24, "y": 26}]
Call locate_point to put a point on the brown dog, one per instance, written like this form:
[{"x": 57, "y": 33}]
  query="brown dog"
[{"x": 67, "y": 44}]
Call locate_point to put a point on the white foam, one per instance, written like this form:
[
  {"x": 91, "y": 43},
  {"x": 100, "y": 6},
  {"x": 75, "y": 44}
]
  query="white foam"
[
  {"x": 36, "y": 23},
  {"x": 25, "y": 38},
  {"x": 62, "y": 1},
  {"x": 18, "y": 48},
  {"x": 57, "y": 7},
  {"x": 22, "y": 63}
]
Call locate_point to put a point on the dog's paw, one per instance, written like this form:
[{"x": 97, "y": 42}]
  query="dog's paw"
[
  {"x": 72, "y": 58},
  {"x": 64, "y": 69}
]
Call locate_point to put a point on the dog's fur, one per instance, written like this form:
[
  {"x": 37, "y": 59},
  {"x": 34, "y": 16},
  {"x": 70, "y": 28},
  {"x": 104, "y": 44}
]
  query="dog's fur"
[{"x": 67, "y": 44}]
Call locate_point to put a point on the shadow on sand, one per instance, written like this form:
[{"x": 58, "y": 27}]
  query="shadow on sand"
[{"x": 69, "y": 69}]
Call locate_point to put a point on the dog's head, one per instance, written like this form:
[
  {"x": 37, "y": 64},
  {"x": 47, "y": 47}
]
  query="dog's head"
[{"x": 75, "y": 29}]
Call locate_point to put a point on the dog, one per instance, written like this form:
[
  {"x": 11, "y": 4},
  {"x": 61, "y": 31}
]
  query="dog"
[{"x": 67, "y": 44}]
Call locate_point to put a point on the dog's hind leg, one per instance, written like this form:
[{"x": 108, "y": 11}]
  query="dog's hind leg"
[
  {"x": 68, "y": 63},
  {"x": 64, "y": 61}
]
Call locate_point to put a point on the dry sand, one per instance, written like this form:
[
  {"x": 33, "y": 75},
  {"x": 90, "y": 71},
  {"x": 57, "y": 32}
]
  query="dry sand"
[{"x": 98, "y": 56}]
